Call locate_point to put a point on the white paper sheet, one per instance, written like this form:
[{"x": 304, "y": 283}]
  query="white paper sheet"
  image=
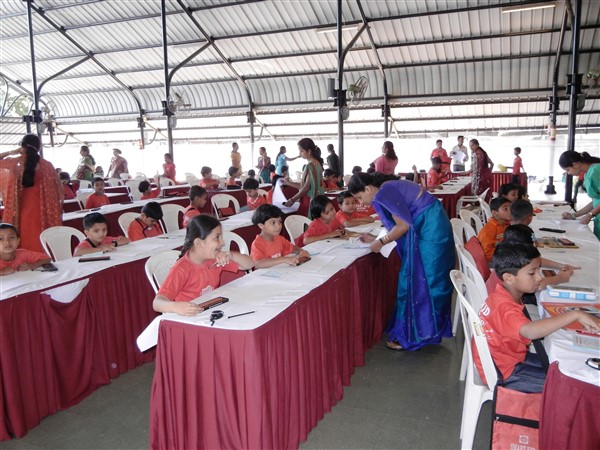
[
  {"x": 387, "y": 248},
  {"x": 279, "y": 199}
]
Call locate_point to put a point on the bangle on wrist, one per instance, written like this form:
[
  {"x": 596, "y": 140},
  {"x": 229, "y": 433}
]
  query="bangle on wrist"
[{"x": 381, "y": 241}]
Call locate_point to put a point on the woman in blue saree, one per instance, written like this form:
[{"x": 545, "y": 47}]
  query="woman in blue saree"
[{"x": 417, "y": 222}]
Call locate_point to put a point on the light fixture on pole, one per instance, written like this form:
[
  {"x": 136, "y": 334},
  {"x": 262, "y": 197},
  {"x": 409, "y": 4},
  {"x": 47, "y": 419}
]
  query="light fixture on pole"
[{"x": 531, "y": 7}]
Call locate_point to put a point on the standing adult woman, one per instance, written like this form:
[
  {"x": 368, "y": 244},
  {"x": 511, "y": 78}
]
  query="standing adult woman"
[
  {"x": 417, "y": 222},
  {"x": 388, "y": 160},
  {"x": 481, "y": 170},
  {"x": 282, "y": 159},
  {"x": 311, "y": 183},
  {"x": 118, "y": 165},
  {"x": 31, "y": 191},
  {"x": 576, "y": 163},
  {"x": 87, "y": 165},
  {"x": 263, "y": 166},
  {"x": 236, "y": 156}
]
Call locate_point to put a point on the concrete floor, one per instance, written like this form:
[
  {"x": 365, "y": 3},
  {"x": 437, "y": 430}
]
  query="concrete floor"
[{"x": 397, "y": 400}]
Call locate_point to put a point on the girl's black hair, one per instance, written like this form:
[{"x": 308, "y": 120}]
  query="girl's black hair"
[
  {"x": 198, "y": 227},
  {"x": 328, "y": 172},
  {"x": 271, "y": 168},
  {"x": 144, "y": 186},
  {"x": 356, "y": 169},
  {"x": 87, "y": 149},
  {"x": 32, "y": 144},
  {"x": 318, "y": 205},
  {"x": 522, "y": 192},
  {"x": 510, "y": 258},
  {"x": 505, "y": 188},
  {"x": 487, "y": 158},
  {"x": 570, "y": 157},
  {"x": 205, "y": 170},
  {"x": 360, "y": 181},
  {"x": 309, "y": 145},
  {"x": 9, "y": 226},
  {"x": 390, "y": 153},
  {"x": 266, "y": 212},
  {"x": 64, "y": 176},
  {"x": 518, "y": 234}
]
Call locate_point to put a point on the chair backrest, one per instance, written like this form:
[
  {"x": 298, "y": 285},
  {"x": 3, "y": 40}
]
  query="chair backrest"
[
  {"x": 483, "y": 194},
  {"x": 474, "y": 332},
  {"x": 114, "y": 182},
  {"x": 158, "y": 266},
  {"x": 166, "y": 182},
  {"x": 347, "y": 179},
  {"x": 171, "y": 217},
  {"x": 472, "y": 219},
  {"x": 222, "y": 183},
  {"x": 140, "y": 175},
  {"x": 82, "y": 198},
  {"x": 220, "y": 201},
  {"x": 298, "y": 175},
  {"x": 262, "y": 192},
  {"x": 230, "y": 236},
  {"x": 469, "y": 268},
  {"x": 134, "y": 189},
  {"x": 125, "y": 220},
  {"x": 486, "y": 211},
  {"x": 124, "y": 176},
  {"x": 191, "y": 179},
  {"x": 85, "y": 184},
  {"x": 56, "y": 241},
  {"x": 294, "y": 225},
  {"x": 462, "y": 230}
]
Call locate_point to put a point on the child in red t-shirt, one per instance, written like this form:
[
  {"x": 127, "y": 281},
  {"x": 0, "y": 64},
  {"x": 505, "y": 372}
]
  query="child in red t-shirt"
[
  {"x": 330, "y": 180},
  {"x": 270, "y": 248},
  {"x": 253, "y": 199},
  {"x": 347, "y": 214},
  {"x": 436, "y": 175},
  {"x": 207, "y": 181},
  {"x": 14, "y": 259},
  {"x": 198, "y": 200},
  {"x": 95, "y": 227},
  {"x": 324, "y": 225},
  {"x": 67, "y": 187},
  {"x": 508, "y": 331},
  {"x": 198, "y": 270},
  {"x": 98, "y": 198},
  {"x": 492, "y": 232},
  {"x": 146, "y": 189},
  {"x": 234, "y": 173},
  {"x": 147, "y": 225}
]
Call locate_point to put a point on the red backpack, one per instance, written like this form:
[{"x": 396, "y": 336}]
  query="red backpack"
[{"x": 515, "y": 420}]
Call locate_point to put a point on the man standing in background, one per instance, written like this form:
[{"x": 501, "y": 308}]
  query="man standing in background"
[
  {"x": 459, "y": 155},
  {"x": 333, "y": 160}
]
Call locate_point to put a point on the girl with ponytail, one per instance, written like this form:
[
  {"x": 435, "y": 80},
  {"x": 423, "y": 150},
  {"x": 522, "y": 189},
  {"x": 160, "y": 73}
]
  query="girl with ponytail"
[
  {"x": 416, "y": 221},
  {"x": 31, "y": 191},
  {"x": 198, "y": 270},
  {"x": 575, "y": 163}
]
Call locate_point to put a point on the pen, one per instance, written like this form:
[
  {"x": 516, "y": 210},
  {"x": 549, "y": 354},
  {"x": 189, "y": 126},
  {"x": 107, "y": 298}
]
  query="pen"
[{"x": 242, "y": 314}]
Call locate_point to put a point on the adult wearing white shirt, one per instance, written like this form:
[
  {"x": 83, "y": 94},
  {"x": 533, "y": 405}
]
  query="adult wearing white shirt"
[{"x": 459, "y": 155}]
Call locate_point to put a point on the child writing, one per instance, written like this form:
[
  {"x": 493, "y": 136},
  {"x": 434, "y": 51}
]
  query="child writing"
[
  {"x": 98, "y": 197},
  {"x": 324, "y": 224},
  {"x": 67, "y": 186},
  {"x": 147, "y": 224},
  {"x": 95, "y": 229},
  {"x": 234, "y": 173},
  {"x": 207, "y": 181},
  {"x": 270, "y": 248},
  {"x": 198, "y": 200},
  {"x": 347, "y": 214},
  {"x": 493, "y": 231},
  {"x": 436, "y": 175},
  {"x": 253, "y": 199},
  {"x": 330, "y": 180},
  {"x": 509, "y": 191},
  {"x": 508, "y": 330},
  {"x": 147, "y": 191},
  {"x": 198, "y": 270},
  {"x": 14, "y": 259}
]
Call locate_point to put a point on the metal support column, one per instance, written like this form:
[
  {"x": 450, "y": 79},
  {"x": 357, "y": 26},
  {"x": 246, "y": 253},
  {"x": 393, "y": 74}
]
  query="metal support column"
[
  {"x": 36, "y": 114},
  {"x": 341, "y": 94},
  {"x": 386, "y": 111},
  {"x": 166, "y": 109}
]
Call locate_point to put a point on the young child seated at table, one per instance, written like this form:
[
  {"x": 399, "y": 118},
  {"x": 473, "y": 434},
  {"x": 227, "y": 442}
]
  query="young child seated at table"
[
  {"x": 270, "y": 248},
  {"x": 67, "y": 186},
  {"x": 146, "y": 189},
  {"x": 251, "y": 174},
  {"x": 198, "y": 270},
  {"x": 522, "y": 234},
  {"x": 95, "y": 228},
  {"x": 508, "y": 191},
  {"x": 14, "y": 259},
  {"x": 147, "y": 224},
  {"x": 207, "y": 181},
  {"x": 272, "y": 171},
  {"x": 253, "y": 199},
  {"x": 521, "y": 212},
  {"x": 347, "y": 214},
  {"x": 285, "y": 173},
  {"x": 436, "y": 175},
  {"x": 234, "y": 173},
  {"x": 522, "y": 193},
  {"x": 198, "y": 200},
  {"x": 324, "y": 224},
  {"x": 98, "y": 198},
  {"x": 493, "y": 231},
  {"x": 330, "y": 180},
  {"x": 508, "y": 330}
]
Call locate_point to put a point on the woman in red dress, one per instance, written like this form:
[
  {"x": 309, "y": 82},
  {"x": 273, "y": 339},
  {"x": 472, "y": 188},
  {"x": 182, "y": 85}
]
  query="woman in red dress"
[
  {"x": 31, "y": 191},
  {"x": 481, "y": 170}
]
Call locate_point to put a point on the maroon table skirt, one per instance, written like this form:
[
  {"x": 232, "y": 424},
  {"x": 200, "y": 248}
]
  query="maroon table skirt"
[
  {"x": 449, "y": 200},
  {"x": 52, "y": 354},
  {"x": 500, "y": 178},
  {"x": 570, "y": 413},
  {"x": 268, "y": 387}
]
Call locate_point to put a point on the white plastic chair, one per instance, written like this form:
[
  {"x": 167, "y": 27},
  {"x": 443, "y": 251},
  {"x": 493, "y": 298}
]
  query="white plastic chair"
[
  {"x": 166, "y": 182},
  {"x": 230, "y": 236},
  {"x": 486, "y": 211},
  {"x": 346, "y": 179},
  {"x": 114, "y": 182},
  {"x": 471, "y": 200},
  {"x": 85, "y": 184},
  {"x": 469, "y": 268},
  {"x": 191, "y": 179},
  {"x": 298, "y": 175},
  {"x": 462, "y": 231},
  {"x": 141, "y": 175},
  {"x": 82, "y": 198},
  {"x": 124, "y": 176},
  {"x": 222, "y": 183},
  {"x": 219, "y": 201},
  {"x": 56, "y": 241},
  {"x": 262, "y": 192},
  {"x": 134, "y": 189},
  {"x": 295, "y": 224},
  {"x": 477, "y": 392},
  {"x": 472, "y": 219},
  {"x": 125, "y": 220},
  {"x": 171, "y": 217},
  {"x": 158, "y": 266}
]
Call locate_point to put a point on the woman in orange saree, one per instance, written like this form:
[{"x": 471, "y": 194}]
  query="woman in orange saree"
[{"x": 31, "y": 191}]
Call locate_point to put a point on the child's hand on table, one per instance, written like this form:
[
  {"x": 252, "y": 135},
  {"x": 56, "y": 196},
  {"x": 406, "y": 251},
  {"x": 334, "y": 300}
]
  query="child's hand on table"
[
  {"x": 291, "y": 260},
  {"x": 563, "y": 276},
  {"x": 23, "y": 267},
  {"x": 186, "y": 308},
  {"x": 569, "y": 267},
  {"x": 366, "y": 238},
  {"x": 122, "y": 240},
  {"x": 589, "y": 322},
  {"x": 303, "y": 254},
  {"x": 107, "y": 248}
]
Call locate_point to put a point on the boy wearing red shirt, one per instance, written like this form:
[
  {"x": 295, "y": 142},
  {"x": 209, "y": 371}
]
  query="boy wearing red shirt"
[
  {"x": 253, "y": 199},
  {"x": 198, "y": 200},
  {"x": 436, "y": 175},
  {"x": 68, "y": 188},
  {"x": 207, "y": 181},
  {"x": 95, "y": 228},
  {"x": 508, "y": 331},
  {"x": 347, "y": 214},
  {"x": 492, "y": 232},
  {"x": 147, "y": 224},
  {"x": 98, "y": 198},
  {"x": 270, "y": 248},
  {"x": 14, "y": 259},
  {"x": 517, "y": 167},
  {"x": 147, "y": 191}
]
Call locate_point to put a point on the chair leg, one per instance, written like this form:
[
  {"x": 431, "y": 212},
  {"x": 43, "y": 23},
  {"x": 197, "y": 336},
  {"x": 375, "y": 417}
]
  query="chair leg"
[
  {"x": 463, "y": 364},
  {"x": 456, "y": 319},
  {"x": 471, "y": 410}
]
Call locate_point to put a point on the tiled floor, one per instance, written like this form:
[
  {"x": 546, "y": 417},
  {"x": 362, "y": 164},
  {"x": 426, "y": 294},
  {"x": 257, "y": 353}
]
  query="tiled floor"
[{"x": 397, "y": 400}]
